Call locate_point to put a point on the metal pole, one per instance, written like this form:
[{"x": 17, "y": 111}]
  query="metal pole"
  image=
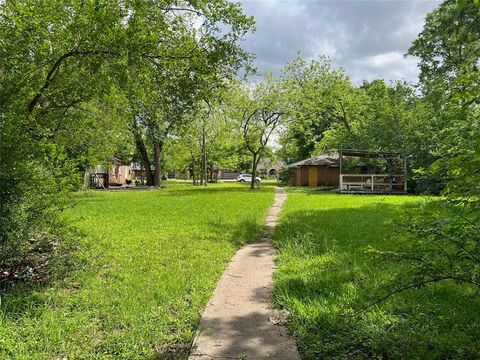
[{"x": 340, "y": 156}]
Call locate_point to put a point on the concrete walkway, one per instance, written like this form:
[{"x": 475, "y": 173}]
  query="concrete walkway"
[{"x": 238, "y": 322}]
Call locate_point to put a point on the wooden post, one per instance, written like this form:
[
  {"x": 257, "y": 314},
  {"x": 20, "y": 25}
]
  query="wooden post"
[{"x": 405, "y": 173}]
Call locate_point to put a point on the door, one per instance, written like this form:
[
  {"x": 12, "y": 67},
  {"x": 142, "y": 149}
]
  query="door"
[{"x": 312, "y": 176}]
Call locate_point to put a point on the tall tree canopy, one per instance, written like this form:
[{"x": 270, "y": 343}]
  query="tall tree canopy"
[
  {"x": 449, "y": 52},
  {"x": 445, "y": 237},
  {"x": 260, "y": 110},
  {"x": 319, "y": 98},
  {"x": 75, "y": 74}
]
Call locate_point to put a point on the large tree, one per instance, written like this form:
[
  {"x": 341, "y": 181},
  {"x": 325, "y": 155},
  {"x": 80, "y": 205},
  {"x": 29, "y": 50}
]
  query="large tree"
[
  {"x": 330, "y": 113},
  {"x": 444, "y": 238},
  {"x": 260, "y": 110},
  {"x": 201, "y": 58},
  {"x": 73, "y": 75},
  {"x": 319, "y": 98},
  {"x": 391, "y": 118}
]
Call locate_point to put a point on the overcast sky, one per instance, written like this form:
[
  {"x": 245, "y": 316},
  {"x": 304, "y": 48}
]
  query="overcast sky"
[{"x": 366, "y": 37}]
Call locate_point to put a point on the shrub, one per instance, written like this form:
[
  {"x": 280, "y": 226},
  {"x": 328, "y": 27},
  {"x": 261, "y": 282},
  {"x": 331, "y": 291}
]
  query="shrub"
[
  {"x": 285, "y": 174},
  {"x": 32, "y": 193}
]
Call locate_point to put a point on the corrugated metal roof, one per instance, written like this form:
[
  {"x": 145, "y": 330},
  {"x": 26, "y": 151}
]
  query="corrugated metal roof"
[
  {"x": 320, "y": 160},
  {"x": 369, "y": 154}
]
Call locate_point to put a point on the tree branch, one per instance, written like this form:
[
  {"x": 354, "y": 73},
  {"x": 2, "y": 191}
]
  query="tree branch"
[{"x": 54, "y": 70}]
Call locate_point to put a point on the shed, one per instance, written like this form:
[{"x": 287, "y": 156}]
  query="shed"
[{"x": 321, "y": 170}]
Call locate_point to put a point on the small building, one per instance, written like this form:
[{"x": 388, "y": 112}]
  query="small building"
[
  {"x": 353, "y": 172},
  {"x": 118, "y": 173},
  {"x": 322, "y": 170}
]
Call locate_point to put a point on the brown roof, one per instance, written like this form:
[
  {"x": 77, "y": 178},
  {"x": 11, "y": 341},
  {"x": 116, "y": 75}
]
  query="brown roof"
[{"x": 320, "y": 160}]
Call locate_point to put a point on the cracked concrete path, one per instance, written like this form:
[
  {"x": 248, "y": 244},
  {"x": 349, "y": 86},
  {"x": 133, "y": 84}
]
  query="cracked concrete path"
[{"x": 238, "y": 321}]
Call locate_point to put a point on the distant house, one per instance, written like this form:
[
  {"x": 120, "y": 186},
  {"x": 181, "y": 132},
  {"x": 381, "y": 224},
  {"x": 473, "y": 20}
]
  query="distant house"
[
  {"x": 268, "y": 168},
  {"x": 120, "y": 173},
  {"x": 322, "y": 170},
  {"x": 117, "y": 174},
  {"x": 265, "y": 168}
]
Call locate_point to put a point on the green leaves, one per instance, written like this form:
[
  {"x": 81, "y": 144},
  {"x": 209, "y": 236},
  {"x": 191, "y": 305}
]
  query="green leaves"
[
  {"x": 467, "y": 3},
  {"x": 259, "y": 110},
  {"x": 319, "y": 98},
  {"x": 74, "y": 73},
  {"x": 329, "y": 113}
]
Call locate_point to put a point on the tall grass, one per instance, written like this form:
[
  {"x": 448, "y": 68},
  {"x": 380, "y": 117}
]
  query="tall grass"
[
  {"x": 327, "y": 275},
  {"x": 145, "y": 267}
]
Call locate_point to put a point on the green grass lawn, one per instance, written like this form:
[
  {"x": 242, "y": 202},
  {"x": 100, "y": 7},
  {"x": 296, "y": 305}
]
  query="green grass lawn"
[
  {"x": 144, "y": 269},
  {"x": 326, "y": 275}
]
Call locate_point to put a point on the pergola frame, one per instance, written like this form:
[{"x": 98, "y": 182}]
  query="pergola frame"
[{"x": 372, "y": 183}]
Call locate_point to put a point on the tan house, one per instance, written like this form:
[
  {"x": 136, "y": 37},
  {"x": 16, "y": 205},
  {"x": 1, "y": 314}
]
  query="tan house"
[
  {"x": 120, "y": 175},
  {"x": 322, "y": 170},
  {"x": 116, "y": 174}
]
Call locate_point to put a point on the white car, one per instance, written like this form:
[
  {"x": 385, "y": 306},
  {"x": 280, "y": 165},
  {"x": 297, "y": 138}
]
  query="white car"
[{"x": 247, "y": 178}]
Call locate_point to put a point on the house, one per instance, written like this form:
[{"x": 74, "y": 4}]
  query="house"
[
  {"x": 321, "y": 170},
  {"x": 267, "y": 167},
  {"x": 117, "y": 174}
]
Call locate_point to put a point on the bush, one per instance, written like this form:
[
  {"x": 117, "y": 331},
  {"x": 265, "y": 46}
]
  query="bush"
[
  {"x": 442, "y": 244},
  {"x": 32, "y": 194},
  {"x": 285, "y": 174}
]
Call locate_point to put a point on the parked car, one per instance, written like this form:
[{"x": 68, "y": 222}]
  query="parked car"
[{"x": 247, "y": 178}]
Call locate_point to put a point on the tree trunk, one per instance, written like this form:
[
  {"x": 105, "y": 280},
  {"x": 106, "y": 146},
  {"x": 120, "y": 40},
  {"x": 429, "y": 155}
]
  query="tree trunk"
[
  {"x": 144, "y": 155},
  {"x": 200, "y": 163},
  {"x": 344, "y": 119},
  {"x": 211, "y": 173},
  {"x": 157, "y": 153},
  {"x": 204, "y": 157},
  {"x": 254, "y": 171},
  {"x": 194, "y": 172}
]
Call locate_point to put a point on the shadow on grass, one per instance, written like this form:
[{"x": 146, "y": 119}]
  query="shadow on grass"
[
  {"x": 27, "y": 302},
  {"x": 197, "y": 190},
  {"x": 27, "y": 297},
  {"x": 326, "y": 274}
]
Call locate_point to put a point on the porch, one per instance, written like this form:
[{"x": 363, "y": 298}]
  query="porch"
[{"x": 355, "y": 180}]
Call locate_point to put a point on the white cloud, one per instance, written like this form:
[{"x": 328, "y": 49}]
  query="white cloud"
[{"x": 383, "y": 60}]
